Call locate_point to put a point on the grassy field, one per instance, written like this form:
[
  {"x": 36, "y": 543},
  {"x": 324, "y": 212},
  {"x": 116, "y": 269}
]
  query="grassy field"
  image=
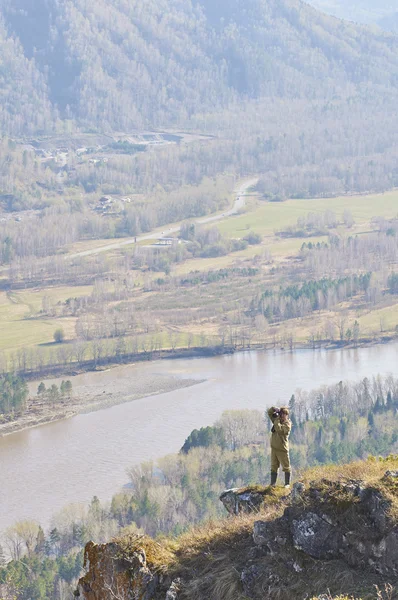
[
  {"x": 269, "y": 217},
  {"x": 266, "y": 218},
  {"x": 33, "y": 298},
  {"x": 383, "y": 319},
  {"x": 279, "y": 249},
  {"x": 21, "y": 325},
  {"x": 221, "y": 262}
]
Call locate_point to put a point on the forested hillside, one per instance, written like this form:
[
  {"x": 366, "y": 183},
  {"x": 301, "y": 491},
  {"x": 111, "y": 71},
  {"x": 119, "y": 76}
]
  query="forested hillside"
[
  {"x": 24, "y": 102},
  {"x": 121, "y": 65}
]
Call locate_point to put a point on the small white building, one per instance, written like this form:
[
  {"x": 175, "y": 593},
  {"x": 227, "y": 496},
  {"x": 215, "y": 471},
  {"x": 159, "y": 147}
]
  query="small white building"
[{"x": 168, "y": 241}]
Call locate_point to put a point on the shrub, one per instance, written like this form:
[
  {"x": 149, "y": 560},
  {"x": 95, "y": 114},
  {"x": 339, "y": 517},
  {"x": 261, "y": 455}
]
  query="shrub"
[
  {"x": 59, "y": 336},
  {"x": 253, "y": 238}
]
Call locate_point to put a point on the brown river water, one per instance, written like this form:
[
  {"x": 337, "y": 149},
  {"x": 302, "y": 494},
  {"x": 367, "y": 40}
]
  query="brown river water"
[{"x": 45, "y": 468}]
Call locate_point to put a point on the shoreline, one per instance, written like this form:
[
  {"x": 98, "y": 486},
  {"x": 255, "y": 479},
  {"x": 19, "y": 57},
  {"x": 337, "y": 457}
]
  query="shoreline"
[
  {"x": 71, "y": 408},
  {"x": 58, "y": 371},
  {"x": 92, "y": 402}
]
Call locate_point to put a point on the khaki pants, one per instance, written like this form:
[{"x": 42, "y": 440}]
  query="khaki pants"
[{"x": 278, "y": 458}]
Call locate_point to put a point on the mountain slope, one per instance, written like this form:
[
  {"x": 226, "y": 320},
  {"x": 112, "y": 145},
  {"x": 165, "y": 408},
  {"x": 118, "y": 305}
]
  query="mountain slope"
[
  {"x": 124, "y": 64},
  {"x": 24, "y": 104}
]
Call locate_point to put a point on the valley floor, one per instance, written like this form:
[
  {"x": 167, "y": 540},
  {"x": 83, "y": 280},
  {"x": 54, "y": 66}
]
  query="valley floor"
[{"x": 202, "y": 305}]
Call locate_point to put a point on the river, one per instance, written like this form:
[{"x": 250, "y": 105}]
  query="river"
[{"x": 46, "y": 468}]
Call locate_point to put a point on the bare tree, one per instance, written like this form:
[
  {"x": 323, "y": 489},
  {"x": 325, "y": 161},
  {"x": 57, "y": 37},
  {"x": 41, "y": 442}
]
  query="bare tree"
[{"x": 341, "y": 323}]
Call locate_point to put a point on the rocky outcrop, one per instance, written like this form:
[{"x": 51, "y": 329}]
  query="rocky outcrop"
[
  {"x": 317, "y": 536},
  {"x": 244, "y": 500},
  {"x": 111, "y": 575},
  {"x": 111, "y": 572},
  {"x": 349, "y": 524},
  {"x": 333, "y": 520},
  {"x": 172, "y": 592}
]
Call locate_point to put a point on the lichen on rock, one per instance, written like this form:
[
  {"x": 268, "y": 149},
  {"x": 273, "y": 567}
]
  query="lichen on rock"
[
  {"x": 246, "y": 500},
  {"x": 316, "y": 537},
  {"x": 111, "y": 575}
]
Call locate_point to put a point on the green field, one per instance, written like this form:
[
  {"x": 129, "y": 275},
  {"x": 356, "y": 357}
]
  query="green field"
[
  {"x": 220, "y": 262},
  {"x": 22, "y": 326},
  {"x": 279, "y": 248},
  {"x": 289, "y": 246},
  {"x": 274, "y": 216},
  {"x": 383, "y": 319}
]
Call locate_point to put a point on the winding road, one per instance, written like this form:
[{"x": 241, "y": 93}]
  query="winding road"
[{"x": 239, "y": 203}]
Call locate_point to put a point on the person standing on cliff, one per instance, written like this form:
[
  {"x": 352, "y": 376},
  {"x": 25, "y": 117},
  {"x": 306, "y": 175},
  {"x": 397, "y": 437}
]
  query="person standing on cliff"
[{"x": 281, "y": 427}]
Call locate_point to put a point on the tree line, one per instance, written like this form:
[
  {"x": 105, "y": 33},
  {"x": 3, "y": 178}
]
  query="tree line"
[{"x": 15, "y": 400}]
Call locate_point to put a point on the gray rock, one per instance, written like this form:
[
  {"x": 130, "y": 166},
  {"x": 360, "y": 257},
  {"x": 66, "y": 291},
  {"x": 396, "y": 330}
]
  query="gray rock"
[
  {"x": 174, "y": 589},
  {"x": 237, "y": 501},
  {"x": 376, "y": 507},
  {"x": 327, "y": 519},
  {"x": 355, "y": 487},
  {"x": 297, "y": 567},
  {"x": 248, "y": 578},
  {"x": 281, "y": 540},
  {"x": 297, "y": 491},
  {"x": 259, "y": 552},
  {"x": 389, "y": 549},
  {"x": 261, "y": 535},
  {"x": 316, "y": 537}
]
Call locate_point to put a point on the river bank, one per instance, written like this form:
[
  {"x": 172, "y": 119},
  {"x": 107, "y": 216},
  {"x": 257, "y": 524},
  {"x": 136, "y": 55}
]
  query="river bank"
[
  {"x": 59, "y": 371},
  {"x": 90, "y": 398},
  {"x": 75, "y": 459},
  {"x": 87, "y": 399}
]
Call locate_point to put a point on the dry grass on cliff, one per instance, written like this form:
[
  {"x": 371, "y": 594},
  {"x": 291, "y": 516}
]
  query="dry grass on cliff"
[
  {"x": 159, "y": 555},
  {"x": 210, "y": 559},
  {"x": 201, "y": 544},
  {"x": 212, "y": 568},
  {"x": 217, "y": 547},
  {"x": 370, "y": 471}
]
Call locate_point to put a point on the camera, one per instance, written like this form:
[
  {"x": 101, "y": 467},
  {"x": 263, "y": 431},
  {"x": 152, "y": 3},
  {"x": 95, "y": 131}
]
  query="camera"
[{"x": 275, "y": 414}]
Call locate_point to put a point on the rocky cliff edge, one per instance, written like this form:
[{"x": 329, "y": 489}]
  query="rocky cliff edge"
[{"x": 336, "y": 533}]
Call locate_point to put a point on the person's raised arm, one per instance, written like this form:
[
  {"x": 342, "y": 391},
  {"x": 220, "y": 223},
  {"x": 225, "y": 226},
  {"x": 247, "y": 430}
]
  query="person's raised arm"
[{"x": 271, "y": 412}]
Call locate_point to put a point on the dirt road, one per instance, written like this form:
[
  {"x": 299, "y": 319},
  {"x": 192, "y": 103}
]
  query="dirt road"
[{"x": 239, "y": 203}]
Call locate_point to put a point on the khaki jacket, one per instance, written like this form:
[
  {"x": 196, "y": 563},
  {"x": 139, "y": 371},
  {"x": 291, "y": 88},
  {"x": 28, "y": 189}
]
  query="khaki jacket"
[{"x": 280, "y": 435}]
